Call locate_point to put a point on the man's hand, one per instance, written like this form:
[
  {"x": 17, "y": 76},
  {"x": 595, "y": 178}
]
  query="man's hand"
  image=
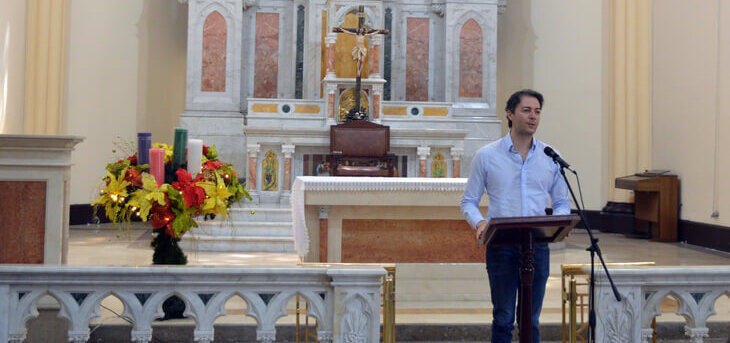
[{"x": 481, "y": 230}]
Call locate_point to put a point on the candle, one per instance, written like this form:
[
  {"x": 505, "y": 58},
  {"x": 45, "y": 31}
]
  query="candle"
[
  {"x": 144, "y": 143},
  {"x": 157, "y": 165},
  {"x": 195, "y": 154},
  {"x": 178, "y": 152}
]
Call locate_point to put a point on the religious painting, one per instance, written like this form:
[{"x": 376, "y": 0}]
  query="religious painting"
[
  {"x": 438, "y": 166},
  {"x": 266, "y": 65},
  {"x": 270, "y": 171},
  {"x": 470, "y": 60},
  {"x": 347, "y": 102},
  {"x": 214, "y": 53}
]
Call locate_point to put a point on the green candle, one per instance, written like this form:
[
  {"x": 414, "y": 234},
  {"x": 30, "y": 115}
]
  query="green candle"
[{"x": 178, "y": 153}]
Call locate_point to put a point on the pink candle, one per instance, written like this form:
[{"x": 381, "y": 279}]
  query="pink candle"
[{"x": 157, "y": 165}]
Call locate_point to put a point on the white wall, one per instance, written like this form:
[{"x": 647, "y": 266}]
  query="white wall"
[
  {"x": 126, "y": 73},
  {"x": 559, "y": 48},
  {"x": 12, "y": 66},
  {"x": 688, "y": 92}
]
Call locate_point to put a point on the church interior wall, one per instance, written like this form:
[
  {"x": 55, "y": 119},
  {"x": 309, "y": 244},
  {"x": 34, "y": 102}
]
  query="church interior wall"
[
  {"x": 12, "y": 66},
  {"x": 691, "y": 110},
  {"x": 557, "y": 48},
  {"x": 126, "y": 73}
]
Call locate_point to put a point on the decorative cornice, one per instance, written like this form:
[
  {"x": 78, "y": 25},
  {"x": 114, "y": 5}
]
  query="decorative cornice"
[{"x": 357, "y": 184}]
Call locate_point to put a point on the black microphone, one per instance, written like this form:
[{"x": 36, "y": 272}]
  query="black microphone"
[{"x": 556, "y": 158}]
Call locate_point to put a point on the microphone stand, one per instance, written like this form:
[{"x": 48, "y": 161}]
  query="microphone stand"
[{"x": 594, "y": 250}]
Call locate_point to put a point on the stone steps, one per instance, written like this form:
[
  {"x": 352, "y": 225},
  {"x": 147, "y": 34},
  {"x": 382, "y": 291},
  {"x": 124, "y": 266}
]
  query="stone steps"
[{"x": 251, "y": 228}]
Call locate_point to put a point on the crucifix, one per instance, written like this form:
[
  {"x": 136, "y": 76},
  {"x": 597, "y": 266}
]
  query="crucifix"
[{"x": 359, "y": 52}]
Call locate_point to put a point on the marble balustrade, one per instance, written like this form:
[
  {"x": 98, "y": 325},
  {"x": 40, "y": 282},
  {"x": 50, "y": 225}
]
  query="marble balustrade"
[
  {"x": 696, "y": 289},
  {"x": 345, "y": 300}
]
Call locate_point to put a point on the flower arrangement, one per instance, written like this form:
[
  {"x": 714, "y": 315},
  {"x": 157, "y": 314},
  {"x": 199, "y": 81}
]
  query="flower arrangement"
[{"x": 170, "y": 205}]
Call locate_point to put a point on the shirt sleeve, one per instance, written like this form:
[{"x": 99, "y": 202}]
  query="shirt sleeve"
[
  {"x": 559, "y": 194},
  {"x": 474, "y": 190}
]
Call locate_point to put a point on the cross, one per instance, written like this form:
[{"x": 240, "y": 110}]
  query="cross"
[{"x": 358, "y": 54}]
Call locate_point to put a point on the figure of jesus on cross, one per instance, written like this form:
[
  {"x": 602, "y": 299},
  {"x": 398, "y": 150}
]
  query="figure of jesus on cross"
[{"x": 360, "y": 51}]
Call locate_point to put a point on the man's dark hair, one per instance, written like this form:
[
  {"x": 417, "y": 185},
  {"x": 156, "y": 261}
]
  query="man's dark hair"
[{"x": 515, "y": 99}]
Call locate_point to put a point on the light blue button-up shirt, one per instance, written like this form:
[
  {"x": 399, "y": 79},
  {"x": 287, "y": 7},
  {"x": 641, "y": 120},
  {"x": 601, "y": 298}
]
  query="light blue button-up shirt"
[{"x": 515, "y": 188}]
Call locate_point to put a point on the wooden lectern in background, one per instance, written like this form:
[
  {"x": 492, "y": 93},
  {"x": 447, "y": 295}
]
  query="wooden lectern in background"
[
  {"x": 656, "y": 198},
  {"x": 526, "y": 232}
]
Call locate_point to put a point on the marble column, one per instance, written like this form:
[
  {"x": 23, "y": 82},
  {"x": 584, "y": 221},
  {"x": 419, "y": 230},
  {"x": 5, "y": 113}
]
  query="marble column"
[
  {"x": 374, "y": 58},
  {"x": 323, "y": 216},
  {"x": 377, "y": 93},
  {"x": 331, "y": 108},
  {"x": 287, "y": 150},
  {"x": 456, "y": 154},
  {"x": 330, "y": 41},
  {"x": 423, "y": 153},
  {"x": 253, "y": 150}
]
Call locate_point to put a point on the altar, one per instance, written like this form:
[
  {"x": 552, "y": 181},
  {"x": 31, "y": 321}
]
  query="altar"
[
  {"x": 266, "y": 80},
  {"x": 385, "y": 220}
]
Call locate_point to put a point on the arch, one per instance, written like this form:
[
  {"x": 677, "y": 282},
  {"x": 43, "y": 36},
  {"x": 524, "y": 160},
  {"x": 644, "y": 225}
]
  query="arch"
[
  {"x": 213, "y": 68},
  {"x": 353, "y": 326},
  {"x": 370, "y": 16},
  {"x": 471, "y": 60},
  {"x": 687, "y": 307}
]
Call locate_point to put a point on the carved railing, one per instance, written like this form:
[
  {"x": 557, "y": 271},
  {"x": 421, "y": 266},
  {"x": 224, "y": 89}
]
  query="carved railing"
[
  {"x": 345, "y": 301},
  {"x": 696, "y": 289}
]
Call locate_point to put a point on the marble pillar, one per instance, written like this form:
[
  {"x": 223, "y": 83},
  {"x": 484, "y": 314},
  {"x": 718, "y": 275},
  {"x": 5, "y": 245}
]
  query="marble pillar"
[
  {"x": 323, "y": 216},
  {"x": 377, "y": 94},
  {"x": 423, "y": 153},
  {"x": 287, "y": 150},
  {"x": 374, "y": 61},
  {"x": 253, "y": 150},
  {"x": 331, "y": 89},
  {"x": 330, "y": 42},
  {"x": 456, "y": 154}
]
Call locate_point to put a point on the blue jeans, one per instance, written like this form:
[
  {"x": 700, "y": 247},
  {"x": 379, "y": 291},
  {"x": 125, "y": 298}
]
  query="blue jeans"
[{"x": 503, "y": 268}]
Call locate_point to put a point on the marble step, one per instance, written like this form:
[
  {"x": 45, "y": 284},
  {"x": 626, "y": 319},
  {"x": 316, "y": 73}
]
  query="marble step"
[
  {"x": 244, "y": 229},
  {"x": 193, "y": 242},
  {"x": 260, "y": 214}
]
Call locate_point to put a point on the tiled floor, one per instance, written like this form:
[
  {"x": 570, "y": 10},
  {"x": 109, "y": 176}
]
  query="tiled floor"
[{"x": 104, "y": 245}]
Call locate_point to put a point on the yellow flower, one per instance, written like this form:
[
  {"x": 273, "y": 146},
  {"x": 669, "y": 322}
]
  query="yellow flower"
[
  {"x": 113, "y": 195},
  {"x": 218, "y": 194},
  {"x": 145, "y": 197}
]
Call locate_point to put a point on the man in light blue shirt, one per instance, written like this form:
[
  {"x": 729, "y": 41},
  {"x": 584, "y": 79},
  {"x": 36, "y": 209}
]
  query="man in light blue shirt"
[{"x": 520, "y": 180}]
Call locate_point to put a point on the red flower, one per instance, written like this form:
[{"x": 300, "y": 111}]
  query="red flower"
[
  {"x": 132, "y": 160},
  {"x": 205, "y": 150},
  {"x": 161, "y": 216},
  {"x": 192, "y": 194},
  {"x": 212, "y": 165},
  {"x": 134, "y": 177}
]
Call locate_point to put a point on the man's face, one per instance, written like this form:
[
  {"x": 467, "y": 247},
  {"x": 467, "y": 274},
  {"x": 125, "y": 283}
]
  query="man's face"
[{"x": 526, "y": 117}]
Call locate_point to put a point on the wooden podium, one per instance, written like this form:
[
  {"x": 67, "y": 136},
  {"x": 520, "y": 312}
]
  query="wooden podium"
[
  {"x": 656, "y": 200},
  {"x": 526, "y": 232}
]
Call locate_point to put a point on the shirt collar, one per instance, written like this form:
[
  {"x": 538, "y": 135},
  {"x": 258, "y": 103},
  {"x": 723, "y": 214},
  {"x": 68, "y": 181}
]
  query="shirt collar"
[{"x": 510, "y": 146}]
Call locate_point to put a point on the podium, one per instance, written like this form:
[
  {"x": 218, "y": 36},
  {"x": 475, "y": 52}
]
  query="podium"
[
  {"x": 526, "y": 232},
  {"x": 656, "y": 200}
]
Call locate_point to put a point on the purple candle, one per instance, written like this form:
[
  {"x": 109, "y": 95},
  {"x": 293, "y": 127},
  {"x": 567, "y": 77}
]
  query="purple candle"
[{"x": 144, "y": 143}]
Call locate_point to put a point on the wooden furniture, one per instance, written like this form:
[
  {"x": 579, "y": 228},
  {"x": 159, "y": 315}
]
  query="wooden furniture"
[
  {"x": 361, "y": 148},
  {"x": 656, "y": 200},
  {"x": 526, "y": 232}
]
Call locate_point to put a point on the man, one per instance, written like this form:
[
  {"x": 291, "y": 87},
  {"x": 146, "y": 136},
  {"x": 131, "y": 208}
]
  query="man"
[{"x": 519, "y": 179}]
